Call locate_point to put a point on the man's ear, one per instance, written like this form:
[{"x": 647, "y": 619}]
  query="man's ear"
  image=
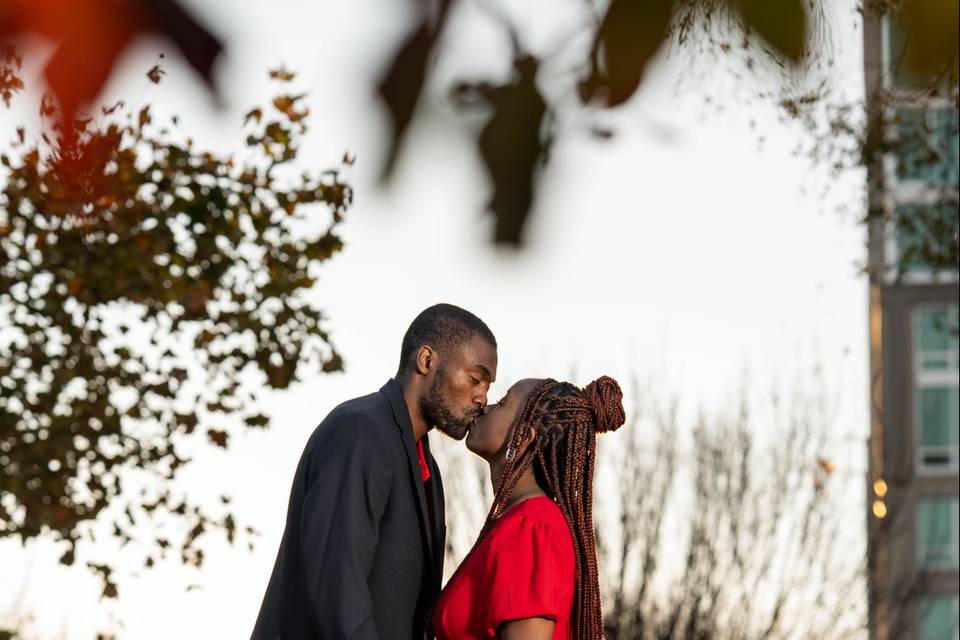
[{"x": 426, "y": 360}]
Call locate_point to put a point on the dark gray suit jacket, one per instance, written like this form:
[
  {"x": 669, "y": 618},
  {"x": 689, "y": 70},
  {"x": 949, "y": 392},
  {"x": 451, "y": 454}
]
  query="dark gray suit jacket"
[{"x": 362, "y": 554}]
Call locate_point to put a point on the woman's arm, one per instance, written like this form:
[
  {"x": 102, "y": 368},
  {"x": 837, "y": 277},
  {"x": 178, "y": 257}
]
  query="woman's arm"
[{"x": 527, "y": 629}]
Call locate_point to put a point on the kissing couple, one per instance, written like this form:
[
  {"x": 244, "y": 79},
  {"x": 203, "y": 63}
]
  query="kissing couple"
[{"x": 361, "y": 556}]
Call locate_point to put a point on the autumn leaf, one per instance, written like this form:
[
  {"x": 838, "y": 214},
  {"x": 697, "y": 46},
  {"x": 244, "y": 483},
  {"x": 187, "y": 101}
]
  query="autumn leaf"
[
  {"x": 286, "y": 106},
  {"x": 218, "y": 437},
  {"x": 258, "y": 420},
  {"x": 155, "y": 74},
  {"x": 825, "y": 465},
  {"x": 253, "y": 114},
  {"x": 282, "y": 74},
  {"x": 333, "y": 363}
]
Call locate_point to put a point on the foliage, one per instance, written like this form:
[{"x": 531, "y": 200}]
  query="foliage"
[
  {"x": 148, "y": 288},
  {"x": 98, "y": 33},
  {"x": 625, "y": 37}
]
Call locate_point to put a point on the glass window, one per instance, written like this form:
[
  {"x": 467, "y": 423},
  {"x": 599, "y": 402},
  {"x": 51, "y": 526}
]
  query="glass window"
[
  {"x": 926, "y": 236},
  {"x": 938, "y": 341},
  {"x": 938, "y": 618},
  {"x": 937, "y": 387},
  {"x": 937, "y": 539},
  {"x": 902, "y": 75},
  {"x": 927, "y": 144}
]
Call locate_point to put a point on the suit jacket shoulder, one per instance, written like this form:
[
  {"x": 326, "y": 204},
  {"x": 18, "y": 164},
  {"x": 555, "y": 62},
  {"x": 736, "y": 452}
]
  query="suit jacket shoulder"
[{"x": 363, "y": 425}]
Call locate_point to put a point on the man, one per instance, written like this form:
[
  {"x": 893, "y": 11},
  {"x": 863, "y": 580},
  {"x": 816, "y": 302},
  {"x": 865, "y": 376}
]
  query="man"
[{"x": 362, "y": 554}]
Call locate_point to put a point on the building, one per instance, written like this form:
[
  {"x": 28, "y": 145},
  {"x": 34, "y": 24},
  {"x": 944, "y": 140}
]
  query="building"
[{"x": 914, "y": 459}]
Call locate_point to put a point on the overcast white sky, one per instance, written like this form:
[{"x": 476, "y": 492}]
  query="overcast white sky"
[{"x": 681, "y": 251}]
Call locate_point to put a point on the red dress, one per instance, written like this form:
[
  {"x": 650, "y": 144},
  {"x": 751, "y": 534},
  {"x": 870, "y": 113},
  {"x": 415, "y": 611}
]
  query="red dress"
[{"x": 523, "y": 568}]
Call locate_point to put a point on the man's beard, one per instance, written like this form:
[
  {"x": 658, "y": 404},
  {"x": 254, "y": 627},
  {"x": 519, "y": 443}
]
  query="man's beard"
[{"x": 438, "y": 413}]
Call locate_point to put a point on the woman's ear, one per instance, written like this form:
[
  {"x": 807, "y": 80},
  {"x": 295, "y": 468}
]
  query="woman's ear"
[{"x": 528, "y": 440}]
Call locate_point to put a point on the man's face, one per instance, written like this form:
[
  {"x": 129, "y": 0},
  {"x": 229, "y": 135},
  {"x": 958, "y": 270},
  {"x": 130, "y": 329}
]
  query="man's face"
[{"x": 457, "y": 392}]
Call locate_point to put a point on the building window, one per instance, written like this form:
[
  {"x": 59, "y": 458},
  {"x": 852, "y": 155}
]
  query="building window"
[
  {"x": 900, "y": 74},
  {"x": 937, "y": 388},
  {"x": 926, "y": 236},
  {"x": 926, "y": 145},
  {"x": 938, "y": 618},
  {"x": 938, "y": 520},
  {"x": 899, "y": 70}
]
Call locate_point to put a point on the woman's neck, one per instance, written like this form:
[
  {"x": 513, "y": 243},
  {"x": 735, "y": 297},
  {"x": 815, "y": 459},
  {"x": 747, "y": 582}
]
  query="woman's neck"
[{"x": 526, "y": 487}]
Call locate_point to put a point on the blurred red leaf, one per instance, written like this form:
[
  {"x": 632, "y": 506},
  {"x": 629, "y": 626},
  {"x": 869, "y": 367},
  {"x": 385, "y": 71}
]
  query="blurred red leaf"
[
  {"x": 218, "y": 437},
  {"x": 93, "y": 34}
]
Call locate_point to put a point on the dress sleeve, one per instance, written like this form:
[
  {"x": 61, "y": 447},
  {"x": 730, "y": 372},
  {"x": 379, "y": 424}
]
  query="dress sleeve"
[{"x": 531, "y": 573}]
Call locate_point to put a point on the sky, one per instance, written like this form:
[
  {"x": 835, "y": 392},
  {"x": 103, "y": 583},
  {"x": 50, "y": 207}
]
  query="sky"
[{"x": 683, "y": 251}]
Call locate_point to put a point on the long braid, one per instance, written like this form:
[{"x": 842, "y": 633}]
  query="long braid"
[{"x": 566, "y": 420}]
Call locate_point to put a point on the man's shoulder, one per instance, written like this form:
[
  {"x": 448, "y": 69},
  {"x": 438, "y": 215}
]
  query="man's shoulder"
[{"x": 365, "y": 417}]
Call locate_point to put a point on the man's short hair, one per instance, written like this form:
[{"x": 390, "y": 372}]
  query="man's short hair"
[{"x": 442, "y": 327}]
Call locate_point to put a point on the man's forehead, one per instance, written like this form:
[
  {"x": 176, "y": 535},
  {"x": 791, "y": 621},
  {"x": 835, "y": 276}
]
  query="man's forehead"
[{"x": 479, "y": 354}]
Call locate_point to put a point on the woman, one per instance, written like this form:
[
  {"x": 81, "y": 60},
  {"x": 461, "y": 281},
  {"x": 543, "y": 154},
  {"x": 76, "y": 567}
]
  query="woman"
[{"x": 532, "y": 573}]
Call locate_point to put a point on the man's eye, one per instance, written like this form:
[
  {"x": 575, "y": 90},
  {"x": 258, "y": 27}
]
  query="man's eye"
[{"x": 475, "y": 380}]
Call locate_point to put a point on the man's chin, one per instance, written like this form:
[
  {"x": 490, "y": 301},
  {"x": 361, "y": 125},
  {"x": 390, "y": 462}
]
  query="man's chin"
[{"x": 455, "y": 431}]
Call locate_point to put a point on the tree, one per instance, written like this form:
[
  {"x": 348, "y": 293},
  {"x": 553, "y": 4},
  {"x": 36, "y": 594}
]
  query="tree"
[
  {"x": 762, "y": 510},
  {"x": 622, "y": 36},
  {"x": 147, "y": 288}
]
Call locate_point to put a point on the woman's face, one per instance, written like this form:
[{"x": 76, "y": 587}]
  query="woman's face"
[{"x": 490, "y": 433}]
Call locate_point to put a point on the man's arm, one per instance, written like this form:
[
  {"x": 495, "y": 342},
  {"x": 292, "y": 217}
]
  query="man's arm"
[{"x": 346, "y": 494}]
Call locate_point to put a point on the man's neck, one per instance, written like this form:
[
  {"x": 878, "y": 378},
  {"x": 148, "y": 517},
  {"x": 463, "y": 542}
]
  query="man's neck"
[{"x": 411, "y": 399}]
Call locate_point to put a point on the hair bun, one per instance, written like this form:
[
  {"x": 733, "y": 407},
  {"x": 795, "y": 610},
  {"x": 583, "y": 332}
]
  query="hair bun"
[{"x": 606, "y": 400}]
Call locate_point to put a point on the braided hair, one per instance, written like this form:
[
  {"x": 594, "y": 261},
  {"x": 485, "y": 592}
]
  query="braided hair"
[{"x": 566, "y": 421}]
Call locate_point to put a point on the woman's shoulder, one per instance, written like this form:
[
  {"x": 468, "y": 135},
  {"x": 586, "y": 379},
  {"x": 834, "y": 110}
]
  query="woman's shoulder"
[
  {"x": 538, "y": 515},
  {"x": 531, "y": 539}
]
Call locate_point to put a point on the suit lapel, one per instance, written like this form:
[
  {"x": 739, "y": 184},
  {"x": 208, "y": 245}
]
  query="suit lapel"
[
  {"x": 439, "y": 517},
  {"x": 401, "y": 416}
]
